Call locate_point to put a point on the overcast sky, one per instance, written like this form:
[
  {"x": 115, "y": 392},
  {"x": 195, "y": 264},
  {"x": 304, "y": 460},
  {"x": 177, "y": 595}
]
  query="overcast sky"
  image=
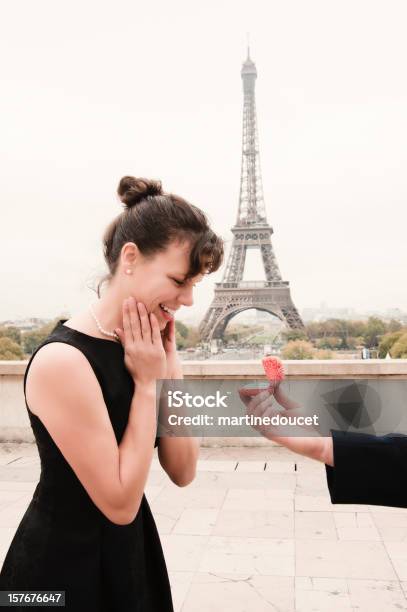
[{"x": 92, "y": 91}]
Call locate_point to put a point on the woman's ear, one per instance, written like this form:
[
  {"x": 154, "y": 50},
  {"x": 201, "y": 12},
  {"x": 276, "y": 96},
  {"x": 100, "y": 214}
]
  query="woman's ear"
[{"x": 130, "y": 254}]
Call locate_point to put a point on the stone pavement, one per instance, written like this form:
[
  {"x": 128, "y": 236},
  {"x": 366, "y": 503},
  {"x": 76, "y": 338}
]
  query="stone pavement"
[{"x": 254, "y": 532}]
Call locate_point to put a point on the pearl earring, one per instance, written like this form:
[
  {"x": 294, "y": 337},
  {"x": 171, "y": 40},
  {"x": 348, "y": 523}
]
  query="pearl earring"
[{"x": 128, "y": 271}]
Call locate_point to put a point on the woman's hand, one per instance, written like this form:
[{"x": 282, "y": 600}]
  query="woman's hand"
[
  {"x": 144, "y": 354},
  {"x": 174, "y": 368}
]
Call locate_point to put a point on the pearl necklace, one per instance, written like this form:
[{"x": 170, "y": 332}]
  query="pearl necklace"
[{"x": 100, "y": 328}]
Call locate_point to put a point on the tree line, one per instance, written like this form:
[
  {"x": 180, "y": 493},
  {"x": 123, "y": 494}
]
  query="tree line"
[
  {"x": 16, "y": 345},
  {"x": 318, "y": 340}
]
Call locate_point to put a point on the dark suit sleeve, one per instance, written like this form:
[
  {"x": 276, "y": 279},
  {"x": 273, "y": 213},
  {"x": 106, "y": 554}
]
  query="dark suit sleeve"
[{"x": 368, "y": 469}]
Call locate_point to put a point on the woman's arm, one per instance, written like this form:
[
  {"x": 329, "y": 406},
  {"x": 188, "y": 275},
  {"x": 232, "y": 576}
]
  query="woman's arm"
[
  {"x": 63, "y": 391},
  {"x": 178, "y": 456},
  {"x": 77, "y": 419}
]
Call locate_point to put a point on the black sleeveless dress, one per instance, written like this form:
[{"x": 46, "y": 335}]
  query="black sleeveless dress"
[{"x": 64, "y": 542}]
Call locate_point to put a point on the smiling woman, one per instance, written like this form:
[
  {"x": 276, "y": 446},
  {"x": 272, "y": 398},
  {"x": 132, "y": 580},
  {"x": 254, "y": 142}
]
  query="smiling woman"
[
  {"x": 90, "y": 395},
  {"x": 153, "y": 219},
  {"x": 165, "y": 243}
]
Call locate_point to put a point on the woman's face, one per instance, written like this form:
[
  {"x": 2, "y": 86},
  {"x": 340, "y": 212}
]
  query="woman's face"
[{"x": 159, "y": 282}]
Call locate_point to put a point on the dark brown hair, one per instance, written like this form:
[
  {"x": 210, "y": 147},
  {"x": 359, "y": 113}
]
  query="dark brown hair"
[{"x": 152, "y": 219}]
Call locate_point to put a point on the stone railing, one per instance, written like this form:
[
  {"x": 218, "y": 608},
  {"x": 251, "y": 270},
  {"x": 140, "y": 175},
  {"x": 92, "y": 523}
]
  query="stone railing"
[{"x": 15, "y": 425}]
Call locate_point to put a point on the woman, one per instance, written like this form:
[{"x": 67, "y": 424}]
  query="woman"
[
  {"x": 90, "y": 395},
  {"x": 360, "y": 468}
]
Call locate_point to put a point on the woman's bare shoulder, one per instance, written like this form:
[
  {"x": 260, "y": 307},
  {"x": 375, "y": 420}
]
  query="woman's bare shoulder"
[
  {"x": 56, "y": 354},
  {"x": 58, "y": 364}
]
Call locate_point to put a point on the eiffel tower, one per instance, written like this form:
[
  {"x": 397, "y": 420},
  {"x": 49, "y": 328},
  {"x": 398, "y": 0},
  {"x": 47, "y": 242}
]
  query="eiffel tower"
[{"x": 251, "y": 231}]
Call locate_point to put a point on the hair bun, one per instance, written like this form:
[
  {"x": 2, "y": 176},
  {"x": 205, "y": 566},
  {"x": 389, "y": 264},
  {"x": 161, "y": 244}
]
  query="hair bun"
[{"x": 132, "y": 190}]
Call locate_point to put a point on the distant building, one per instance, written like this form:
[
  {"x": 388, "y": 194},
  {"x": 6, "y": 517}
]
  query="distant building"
[
  {"x": 316, "y": 314},
  {"x": 26, "y": 324}
]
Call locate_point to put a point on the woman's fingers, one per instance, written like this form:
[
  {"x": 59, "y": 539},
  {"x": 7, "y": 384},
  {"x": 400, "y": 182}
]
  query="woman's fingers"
[
  {"x": 120, "y": 334},
  {"x": 144, "y": 322},
  {"x": 134, "y": 320},
  {"x": 171, "y": 331},
  {"x": 139, "y": 325},
  {"x": 155, "y": 330},
  {"x": 128, "y": 334},
  {"x": 168, "y": 335}
]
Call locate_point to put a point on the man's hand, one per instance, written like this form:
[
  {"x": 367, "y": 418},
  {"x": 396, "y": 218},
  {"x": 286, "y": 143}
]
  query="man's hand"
[
  {"x": 314, "y": 447},
  {"x": 262, "y": 405}
]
